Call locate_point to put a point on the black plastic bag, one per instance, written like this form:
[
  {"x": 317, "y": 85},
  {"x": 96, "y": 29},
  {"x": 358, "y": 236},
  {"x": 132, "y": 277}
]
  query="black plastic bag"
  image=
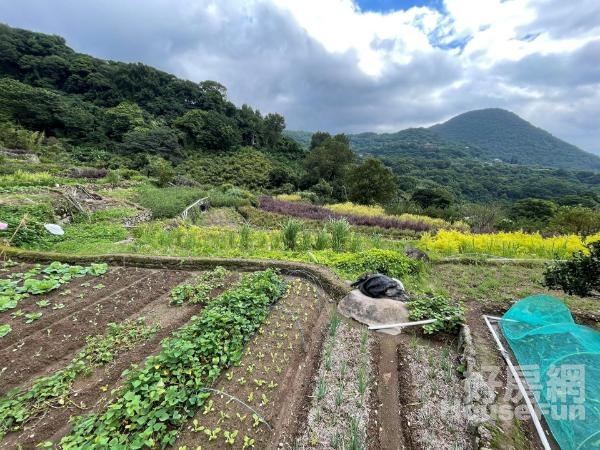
[{"x": 377, "y": 285}]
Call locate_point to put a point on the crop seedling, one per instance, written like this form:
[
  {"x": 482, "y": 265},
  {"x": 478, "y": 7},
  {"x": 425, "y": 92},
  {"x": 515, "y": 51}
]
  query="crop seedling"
[
  {"x": 363, "y": 380},
  {"x": 355, "y": 441},
  {"x": 223, "y": 416},
  {"x": 339, "y": 397},
  {"x": 212, "y": 434},
  {"x": 43, "y": 303},
  {"x": 230, "y": 436},
  {"x": 321, "y": 388},
  {"x": 21, "y": 405},
  {"x": 32, "y": 317},
  {"x": 264, "y": 400},
  {"x": 209, "y": 407},
  {"x": 5, "y": 329},
  {"x": 256, "y": 420},
  {"x": 248, "y": 442}
]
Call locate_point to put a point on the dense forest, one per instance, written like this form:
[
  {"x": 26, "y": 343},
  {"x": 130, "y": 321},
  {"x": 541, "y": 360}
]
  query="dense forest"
[{"x": 74, "y": 109}]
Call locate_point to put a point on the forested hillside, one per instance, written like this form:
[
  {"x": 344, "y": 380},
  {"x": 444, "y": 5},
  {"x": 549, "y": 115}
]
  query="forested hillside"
[
  {"x": 133, "y": 112},
  {"x": 74, "y": 109}
]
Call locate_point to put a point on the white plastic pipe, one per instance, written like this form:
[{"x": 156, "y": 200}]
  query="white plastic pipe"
[
  {"x": 506, "y": 356},
  {"x": 405, "y": 324}
]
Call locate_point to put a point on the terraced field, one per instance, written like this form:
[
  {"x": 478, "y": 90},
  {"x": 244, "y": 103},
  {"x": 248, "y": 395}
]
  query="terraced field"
[{"x": 128, "y": 357}]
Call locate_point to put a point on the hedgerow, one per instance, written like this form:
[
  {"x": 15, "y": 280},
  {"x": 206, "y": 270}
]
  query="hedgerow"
[{"x": 156, "y": 400}]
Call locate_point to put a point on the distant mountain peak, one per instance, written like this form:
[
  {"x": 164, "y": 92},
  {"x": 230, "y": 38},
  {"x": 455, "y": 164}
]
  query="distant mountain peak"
[{"x": 502, "y": 134}]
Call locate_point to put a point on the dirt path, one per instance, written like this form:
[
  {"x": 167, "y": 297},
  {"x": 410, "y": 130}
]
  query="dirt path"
[{"x": 389, "y": 414}]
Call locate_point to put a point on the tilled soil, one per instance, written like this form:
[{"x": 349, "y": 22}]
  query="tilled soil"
[{"x": 43, "y": 350}]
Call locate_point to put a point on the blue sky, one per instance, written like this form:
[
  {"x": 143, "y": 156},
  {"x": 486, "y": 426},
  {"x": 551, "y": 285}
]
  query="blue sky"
[
  {"x": 383, "y": 66},
  {"x": 395, "y": 5}
]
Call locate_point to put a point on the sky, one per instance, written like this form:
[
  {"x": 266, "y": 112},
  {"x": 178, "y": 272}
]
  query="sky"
[{"x": 353, "y": 66}]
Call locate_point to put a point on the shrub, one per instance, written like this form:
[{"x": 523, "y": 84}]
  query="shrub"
[
  {"x": 32, "y": 229},
  {"x": 231, "y": 196},
  {"x": 449, "y": 316},
  {"x": 289, "y": 233},
  {"x": 162, "y": 170},
  {"x": 387, "y": 262},
  {"x": 579, "y": 275},
  {"x": 113, "y": 177}
]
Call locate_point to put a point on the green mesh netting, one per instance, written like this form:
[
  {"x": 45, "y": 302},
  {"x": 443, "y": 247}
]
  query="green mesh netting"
[{"x": 561, "y": 362}]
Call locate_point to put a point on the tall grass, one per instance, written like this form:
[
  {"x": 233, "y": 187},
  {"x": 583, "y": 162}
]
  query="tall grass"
[
  {"x": 171, "y": 201},
  {"x": 245, "y": 236},
  {"x": 340, "y": 233},
  {"x": 289, "y": 233},
  {"x": 22, "y": 178}
]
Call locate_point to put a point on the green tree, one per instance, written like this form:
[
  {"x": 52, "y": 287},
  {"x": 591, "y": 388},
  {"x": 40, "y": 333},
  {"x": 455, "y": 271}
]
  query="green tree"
[
  {"x": 161, "y": 141},
  {"x": 432, "y": 197},
  {"x": 318, "y": 139},
  {"x": 209, "y": 130},
  {"x": 124, "y": 117},
  {"x": 273, "y": 126},
  {"x": 162, "y": 170},
  {"x": 371, "y": 182},
  {"x": 328, "y": 161},
  {"x": 577, "y": 220},
  {"x": 533, "y": 210}
]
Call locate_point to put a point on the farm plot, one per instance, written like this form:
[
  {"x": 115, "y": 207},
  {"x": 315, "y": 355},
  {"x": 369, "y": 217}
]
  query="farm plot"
[
  {"x": 70, "y": 364},
  {"x": 263, "y": 401},
  {"x": 431, "y": 394}
]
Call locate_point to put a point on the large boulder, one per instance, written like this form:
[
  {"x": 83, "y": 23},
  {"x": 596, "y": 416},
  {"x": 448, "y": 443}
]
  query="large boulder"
[
  {"x": 415, "y": 253},
  {"x": 373, "y": 311}
]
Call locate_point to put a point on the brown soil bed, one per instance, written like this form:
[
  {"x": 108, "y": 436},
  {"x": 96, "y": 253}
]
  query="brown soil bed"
[
  {"x": 278, "y": 363},
  {"x": 44, "y": 349},
  {"x": 93, "y": 393},
  {"x": 73, "y": 295}
]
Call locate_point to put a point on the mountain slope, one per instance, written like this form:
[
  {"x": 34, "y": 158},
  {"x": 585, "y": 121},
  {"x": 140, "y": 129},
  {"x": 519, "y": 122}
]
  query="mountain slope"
[
  {"x": 417, "y": 142},
  {"x": 501, "y": 134}
]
